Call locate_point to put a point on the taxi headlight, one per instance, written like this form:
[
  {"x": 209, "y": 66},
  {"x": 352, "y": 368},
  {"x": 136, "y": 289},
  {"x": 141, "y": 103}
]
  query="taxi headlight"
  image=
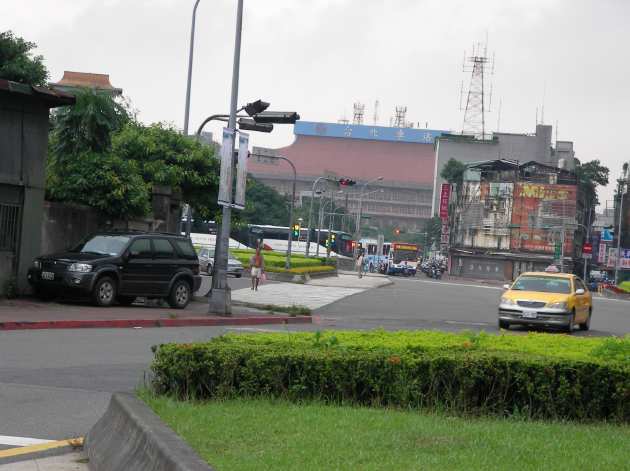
[
  {"x": 508, "y": 301},
  {"x": 560, "y": 305}
]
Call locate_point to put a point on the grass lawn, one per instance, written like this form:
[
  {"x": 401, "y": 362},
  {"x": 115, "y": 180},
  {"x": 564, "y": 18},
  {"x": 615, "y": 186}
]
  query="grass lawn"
[{"x": 245, "y": 434}]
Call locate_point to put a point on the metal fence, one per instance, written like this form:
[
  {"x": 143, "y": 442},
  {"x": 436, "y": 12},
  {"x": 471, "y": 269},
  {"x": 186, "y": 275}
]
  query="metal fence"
[{"x": 9, "y": 227}]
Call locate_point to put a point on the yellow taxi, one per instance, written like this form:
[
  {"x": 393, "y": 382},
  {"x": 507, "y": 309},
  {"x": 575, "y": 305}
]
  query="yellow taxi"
[{"x": 557, "y": 300}]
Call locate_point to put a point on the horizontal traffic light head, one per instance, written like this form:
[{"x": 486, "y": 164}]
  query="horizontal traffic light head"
[
  {"x": 279, "y": 117},
  {"x": 247, "y": 124},
  {"x": 347, "y": 182}
]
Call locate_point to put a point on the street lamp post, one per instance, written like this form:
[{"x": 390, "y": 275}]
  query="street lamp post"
[
  {"x": 310, "y": 215},
  {"x": 360, "y": 210},
  {"x": 287, "y": 263},
  {"x": 190, "y": 64}
]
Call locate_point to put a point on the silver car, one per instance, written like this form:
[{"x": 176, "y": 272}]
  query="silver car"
[{"x": 206, "y": 262}]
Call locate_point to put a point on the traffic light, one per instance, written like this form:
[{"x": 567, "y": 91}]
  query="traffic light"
[
  {"x": 397, "y": 231},
  {"x": 278, "y": 117},
  {"x": 346, "y": 182},
  {"x": 332, "y": 236},
  {"x": 296, "y": 231}
]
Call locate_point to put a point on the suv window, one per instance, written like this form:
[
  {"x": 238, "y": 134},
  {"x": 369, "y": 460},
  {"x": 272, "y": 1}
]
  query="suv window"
[
  {"x": 185, "y": 248},
  {"x": 163, "y": 248},
  {"x": 141, "y": 248}
]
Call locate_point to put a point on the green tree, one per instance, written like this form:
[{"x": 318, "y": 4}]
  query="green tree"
[
  {"x": 590, "y": 175},
  {"x": 103, "y": 181},
  {"x": 433, "y": 228},
  {"x": 453, "y": 172},
  {"x": 87, "y": 126},
  {"x": 16, "y": 62},
  {"x": 165, "y": 157},
  {"x": 264, "y": 205}
]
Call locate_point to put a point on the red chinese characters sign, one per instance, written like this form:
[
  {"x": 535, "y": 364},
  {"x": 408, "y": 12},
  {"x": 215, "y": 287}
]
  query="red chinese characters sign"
[
  {"x": 540, "y": 213},
  {"x": 445, "y": 195}
]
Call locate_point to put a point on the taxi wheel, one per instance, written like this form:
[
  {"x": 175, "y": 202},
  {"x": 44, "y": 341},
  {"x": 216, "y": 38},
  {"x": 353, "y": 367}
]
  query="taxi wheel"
[
  {"x": 587, "y": 323},
  {"x": 569, "y": 327}
]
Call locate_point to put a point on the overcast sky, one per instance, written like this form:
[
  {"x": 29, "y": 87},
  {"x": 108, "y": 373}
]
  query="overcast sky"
[{"x": 320, "y": 56}]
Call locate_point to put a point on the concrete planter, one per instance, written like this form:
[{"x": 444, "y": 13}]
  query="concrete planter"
[{"x": 298, "y": 277}]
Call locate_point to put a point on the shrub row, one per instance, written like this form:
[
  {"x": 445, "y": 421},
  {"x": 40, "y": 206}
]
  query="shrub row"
[
  {"x": 469, "y": 380},
  {"x": 277, "y": 260}
]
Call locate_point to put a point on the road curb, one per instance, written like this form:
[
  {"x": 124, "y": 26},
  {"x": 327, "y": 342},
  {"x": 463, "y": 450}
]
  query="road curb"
[
  {"x": 146, "y": 323},
  {"x": 25, "y": 453},
  {"x": 130, "y": 436}
]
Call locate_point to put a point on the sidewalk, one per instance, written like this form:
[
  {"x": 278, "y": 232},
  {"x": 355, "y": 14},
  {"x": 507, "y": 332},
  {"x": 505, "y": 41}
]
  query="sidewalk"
[
  {"x": 316, "y": 293},
  {"x": 20, "y": 314}
]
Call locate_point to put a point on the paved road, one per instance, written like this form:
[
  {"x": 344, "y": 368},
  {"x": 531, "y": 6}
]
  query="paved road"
[
  {"x": 55, "y": 384},
  {"x": 421, "y": 303}
]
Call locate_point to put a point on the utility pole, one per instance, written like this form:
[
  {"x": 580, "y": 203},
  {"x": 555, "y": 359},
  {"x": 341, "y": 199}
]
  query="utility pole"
[
  {"x": 220, "y": 300},
  {"x": 619, "y": 227}
]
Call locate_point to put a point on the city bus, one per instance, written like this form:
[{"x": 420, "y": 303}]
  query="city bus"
[{"x": 403, "y": 259}]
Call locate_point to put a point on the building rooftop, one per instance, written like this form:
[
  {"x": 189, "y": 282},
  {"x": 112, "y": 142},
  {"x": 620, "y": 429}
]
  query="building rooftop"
[{"x": 86, "y": 80}]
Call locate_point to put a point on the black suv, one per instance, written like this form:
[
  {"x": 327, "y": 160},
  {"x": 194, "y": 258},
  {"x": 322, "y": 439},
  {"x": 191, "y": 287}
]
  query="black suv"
[{"x": 114, "y": 267}]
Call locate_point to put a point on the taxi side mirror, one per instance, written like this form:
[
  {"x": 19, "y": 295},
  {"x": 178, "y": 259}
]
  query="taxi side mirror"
[
  {"x": 506, "y": 286},
  {"x": 579, "y": 291}
]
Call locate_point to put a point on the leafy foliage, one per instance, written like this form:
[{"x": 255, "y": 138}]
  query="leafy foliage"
[
  {"x": 590, "y": 175},
  {"x": 88, "y": 125},
  {"x": 453, "y": 172},
  {"x": 104, "y": 181},
  {"x": 165, "y": 157},
  {"x": 466, "y": 373},
  {"x": 16, "y": 63},
  {"x": 264, "y": 205}
]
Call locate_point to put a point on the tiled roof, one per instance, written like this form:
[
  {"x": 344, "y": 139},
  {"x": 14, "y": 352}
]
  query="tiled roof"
[
  {"x": 84, "y": 79},
  {"x": 50, "y": 97}
]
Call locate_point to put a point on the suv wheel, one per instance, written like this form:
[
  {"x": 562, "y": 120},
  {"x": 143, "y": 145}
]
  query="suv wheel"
[
  {"x": 504, "y": 325},
  {"x": 104, "y": 293},
  {"x": 180, "y": 295}
]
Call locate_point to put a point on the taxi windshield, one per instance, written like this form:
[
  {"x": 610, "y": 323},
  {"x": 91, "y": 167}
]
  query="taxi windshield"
[{"x": 545, "y": 284}]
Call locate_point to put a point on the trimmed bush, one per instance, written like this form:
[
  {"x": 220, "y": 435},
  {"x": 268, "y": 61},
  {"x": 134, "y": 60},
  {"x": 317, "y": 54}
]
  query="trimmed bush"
[{"x": 465, "y": 374}]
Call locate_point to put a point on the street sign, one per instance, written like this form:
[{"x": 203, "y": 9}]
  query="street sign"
[
  {"x": 601, "y": 253},
  {"x": 241, "y": 171},
  {"x": 587, "y": 251},
  {"x": 225, "y": 185},
  {"x": 607, "y": 235},
  {"x": 445, "y": 195}
]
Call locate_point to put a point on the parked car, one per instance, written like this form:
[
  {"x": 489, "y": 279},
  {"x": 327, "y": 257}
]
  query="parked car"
[
  {"x": 206, "y": 262},
  {"x": 558, "y": 300},
  {"x": 112, "y": 267}
]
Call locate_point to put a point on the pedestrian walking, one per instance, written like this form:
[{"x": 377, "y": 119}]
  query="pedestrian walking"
[
  {"x": 360, "y": 264},
  {"x": 257, "y": 264}
]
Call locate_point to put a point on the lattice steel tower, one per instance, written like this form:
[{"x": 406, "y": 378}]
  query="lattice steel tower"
[
  {"x": 359, "y": 110},
  {"x": 478, "y": 99}
]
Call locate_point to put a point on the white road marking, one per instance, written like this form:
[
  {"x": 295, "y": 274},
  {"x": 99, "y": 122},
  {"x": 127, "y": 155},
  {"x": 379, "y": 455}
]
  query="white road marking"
[
  {"x": 448, "y": 283},
  {"x": 21, "y": 441}
]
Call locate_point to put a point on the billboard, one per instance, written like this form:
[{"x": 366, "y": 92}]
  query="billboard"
[
  {"x": 445, "y": 195},
  {"x": 540, "y": 214}
]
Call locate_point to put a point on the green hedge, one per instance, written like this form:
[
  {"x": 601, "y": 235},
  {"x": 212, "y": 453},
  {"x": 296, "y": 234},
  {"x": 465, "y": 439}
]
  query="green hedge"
[
  {"x": 460, "y": 375},
  {"x": 277, "y": 260}
]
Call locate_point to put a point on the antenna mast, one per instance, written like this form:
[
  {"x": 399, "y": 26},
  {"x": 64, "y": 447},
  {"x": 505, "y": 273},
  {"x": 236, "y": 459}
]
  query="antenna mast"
[
  {"x": 478, "y": 100},
  {"x": 376, "y": 105},
  {"x": 400, "y": 117}
]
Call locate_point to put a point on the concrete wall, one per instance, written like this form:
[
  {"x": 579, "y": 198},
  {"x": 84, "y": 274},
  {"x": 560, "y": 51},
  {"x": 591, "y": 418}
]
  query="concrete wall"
[{"x": 65, "y": 224}]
